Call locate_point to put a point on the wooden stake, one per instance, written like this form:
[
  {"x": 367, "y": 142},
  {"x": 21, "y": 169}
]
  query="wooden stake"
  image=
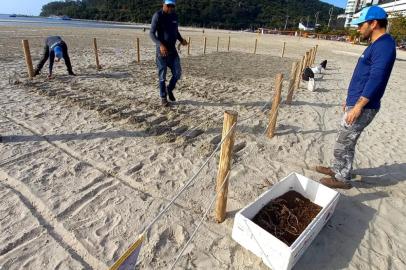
[
  {"x": 299, "y": 73},
  {"x": 204, "y": 47},
  {"x": 229, "y": 43},
  {"x": 98, "y": 67},
  {"x": 138, "y": 51},
  {"x": 275, "y": 105},
  {"x": 188, "y": 46},
  {"x": 255, "y": 46},
  {"x": 218, "y": 41},
  {"x": 283, "y": 49},
  {"x": 306, "y": 62},
  {"x": 293, "y": 76},
  {"x": 310, "y": 57},
  {"x": 230, "y": 119},
  {"x": 315, "y": 53},
  {"x": 28, "y": 59}
]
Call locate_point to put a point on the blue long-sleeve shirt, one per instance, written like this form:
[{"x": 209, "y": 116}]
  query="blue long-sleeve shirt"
[
  {"x": 164, "y": 30},
  {"x": 372, "y": 72}
]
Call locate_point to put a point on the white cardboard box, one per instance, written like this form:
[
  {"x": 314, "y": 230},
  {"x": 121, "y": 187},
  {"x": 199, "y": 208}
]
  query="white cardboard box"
[{"x": 275, "y": 253}]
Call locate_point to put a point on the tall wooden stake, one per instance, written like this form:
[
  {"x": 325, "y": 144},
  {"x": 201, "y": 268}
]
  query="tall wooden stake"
[
  {"x": 310, "y": 57},
  {"x": 293, "y": 75},
  {"x": 204, "y": 46},
  {"x": 96, "y": 54},
  {"x": 229, "y": 43},
  {"x": 315, "y": 53},
  {"x": 218, "y": 41},
  {"x": 306, "y": 62},
  {"x": 138, "y": 51},
  {"x": 188, "y": 46},
  {"x": 275, "y": 105},
  {"x": 255, "y": 46},
  {"x": 28, "y": 59},
  {"x": 299, "y": 73},
  {"x": 283, "y": 49},
  {"x": 230, "y": 119}
]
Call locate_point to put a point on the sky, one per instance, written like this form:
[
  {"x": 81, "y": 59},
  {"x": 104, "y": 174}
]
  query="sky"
[{"x": 33, "y": 7}]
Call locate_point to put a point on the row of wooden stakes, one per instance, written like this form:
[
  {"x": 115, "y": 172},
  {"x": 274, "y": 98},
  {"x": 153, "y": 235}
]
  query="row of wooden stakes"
[
  {"x": 30, "y": 69},
  {"x": 230, "y": 121}
]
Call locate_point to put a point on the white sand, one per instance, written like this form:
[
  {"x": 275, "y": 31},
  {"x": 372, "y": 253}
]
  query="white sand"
[{"x": 77, "y": 185}]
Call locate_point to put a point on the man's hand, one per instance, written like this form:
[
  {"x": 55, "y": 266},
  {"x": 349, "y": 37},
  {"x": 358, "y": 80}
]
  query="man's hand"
[
  {"x": 163, "y": 50},
  {"x": 184, "y": 42},
  {"x": 356, "y": 111},
  {"x": 353, "y": 115}
]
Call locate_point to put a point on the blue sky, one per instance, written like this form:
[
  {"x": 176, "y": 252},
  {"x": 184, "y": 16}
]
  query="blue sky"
[
  {"x": 33, "y": 7},
  {"x": 339, "y": 3}
]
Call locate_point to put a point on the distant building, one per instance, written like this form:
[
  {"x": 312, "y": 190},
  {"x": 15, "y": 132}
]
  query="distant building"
[
  {"x": 350, "y": 10},
  {"x": 301, "y": 26},
  {"x": 393, "y": 6},
  {"x": 390, "y": 6}
]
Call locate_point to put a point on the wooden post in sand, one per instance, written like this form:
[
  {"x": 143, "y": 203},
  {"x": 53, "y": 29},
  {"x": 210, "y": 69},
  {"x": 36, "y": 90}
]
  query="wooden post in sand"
[
  {"x": 138, "y": 51},
  {"x": 218, "y": 42},
  {"x": 306, "y": 62},
  {"x": 283, "y": 49},
  {"x": 28, "y": 59},
  {"x": 275, "y": 105},
  {"x": 293, "y": 75},
  {"x": 204, "y": 46},
  {"x": 299, "y": 73},
  {"x": 315, "y": 53},
  {"x": 229, "y": 41},
  {"x": 255, "y": 46},
  {"x": 96, "y": 53},
  {"x": 230, "y": 120},
  {"x": 310, "y": 57},
  {"x": 188, "y": 46}
]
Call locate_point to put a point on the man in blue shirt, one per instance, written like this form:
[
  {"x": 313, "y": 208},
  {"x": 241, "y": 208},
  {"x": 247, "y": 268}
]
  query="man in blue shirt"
[
  {"x": 164, "y": 32},
  {"x": 365, "y": 91}
]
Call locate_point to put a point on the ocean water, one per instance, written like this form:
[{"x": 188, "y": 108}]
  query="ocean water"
[{"x": 6, "y": 20}]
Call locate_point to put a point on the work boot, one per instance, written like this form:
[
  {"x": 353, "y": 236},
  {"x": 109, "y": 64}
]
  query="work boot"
[
  {"x": 72, "y": 74},
  {"x": 171, "y": 96},
  {"x": 164, "y": 102},
  {"x": 325, "y": 170},
  {"x": 36, "y": 72},
  {"x": 334, "y": 183}
]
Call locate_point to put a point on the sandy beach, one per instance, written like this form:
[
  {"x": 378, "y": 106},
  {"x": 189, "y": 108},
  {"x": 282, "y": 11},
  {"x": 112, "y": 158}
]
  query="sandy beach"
[{"x": 87, "y": 162}]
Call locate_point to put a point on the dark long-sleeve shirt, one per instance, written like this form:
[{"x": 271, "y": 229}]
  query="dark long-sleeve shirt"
[
  {"x": 371, "y": 75},
  {"x": 51, "y": 43},
  {"x": 164, "y": 30}
]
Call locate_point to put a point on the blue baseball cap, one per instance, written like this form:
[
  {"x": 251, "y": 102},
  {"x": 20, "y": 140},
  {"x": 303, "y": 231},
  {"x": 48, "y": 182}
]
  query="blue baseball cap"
[
  {"x": 170, "y": 2},
  {"x": 58, "y": 52},
  {"x": 369, "y": 14}
]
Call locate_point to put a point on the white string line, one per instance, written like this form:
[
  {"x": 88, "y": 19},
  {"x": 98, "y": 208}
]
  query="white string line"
[
  {"x": 189, "y": 182},
  {"x": 200, "y": 223}
]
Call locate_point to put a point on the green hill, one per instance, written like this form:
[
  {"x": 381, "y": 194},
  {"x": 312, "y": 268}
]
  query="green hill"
[{"x": 230, "y": 14}]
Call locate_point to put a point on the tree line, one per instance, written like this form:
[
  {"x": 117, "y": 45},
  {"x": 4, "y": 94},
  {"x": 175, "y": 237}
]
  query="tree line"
[{"x": 227, "y": 14}]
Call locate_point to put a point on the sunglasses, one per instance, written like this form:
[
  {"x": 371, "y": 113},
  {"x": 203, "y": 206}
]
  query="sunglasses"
[{"x": 170, "y": 6}]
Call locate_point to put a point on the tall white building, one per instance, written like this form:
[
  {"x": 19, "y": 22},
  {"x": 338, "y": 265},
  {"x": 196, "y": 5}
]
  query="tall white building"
[
  {"x": 350, "y": 9},
  {"x": 393, "y": 7},
  {"x": 390, "y": 6}
]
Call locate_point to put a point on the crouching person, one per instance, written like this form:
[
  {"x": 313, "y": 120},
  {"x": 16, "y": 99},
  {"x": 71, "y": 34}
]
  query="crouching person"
[{"x": 55, "y": 49}]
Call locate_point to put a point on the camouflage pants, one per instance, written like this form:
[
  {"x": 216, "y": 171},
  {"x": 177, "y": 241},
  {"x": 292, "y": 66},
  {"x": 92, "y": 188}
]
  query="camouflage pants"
[{"x": 344, "y": 148}]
